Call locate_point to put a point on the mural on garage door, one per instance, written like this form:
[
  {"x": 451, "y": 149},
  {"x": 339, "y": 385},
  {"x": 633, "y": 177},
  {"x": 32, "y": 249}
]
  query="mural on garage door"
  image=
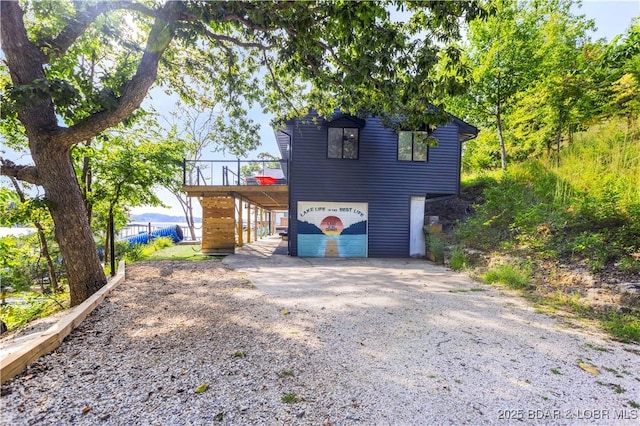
[{"x": 328, "y": 229}]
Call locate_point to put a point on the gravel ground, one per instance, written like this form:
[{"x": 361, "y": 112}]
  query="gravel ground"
[{"x": 346, "y": 342}]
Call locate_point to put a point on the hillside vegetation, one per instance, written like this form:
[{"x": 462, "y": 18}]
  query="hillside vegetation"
[{"x": 566, "y": 229}]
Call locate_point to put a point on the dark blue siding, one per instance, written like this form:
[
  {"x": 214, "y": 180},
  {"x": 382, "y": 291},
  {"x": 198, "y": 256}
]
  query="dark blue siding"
[{"x": 376, "y": 178}]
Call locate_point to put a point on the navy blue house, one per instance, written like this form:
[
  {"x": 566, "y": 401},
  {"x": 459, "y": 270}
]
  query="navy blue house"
[{"x": 358, "y": 188}]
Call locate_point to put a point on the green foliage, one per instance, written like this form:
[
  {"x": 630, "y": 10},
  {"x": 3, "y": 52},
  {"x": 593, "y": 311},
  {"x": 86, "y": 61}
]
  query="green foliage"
[
  {"x": 539, "y": 79},
  {"x": 22, "y": 265},
  {"x": 559, "y": 300},
  {"x": 129, "y": 252},
  {"x": 33, "y": 306},
  {"x": 609, "y": 156},
  {"x": 14, "y": 271},
  {"x": 459, "y": 259},
  {"x": 557, "y": 210},
  {"x": 135, "y": 252},
  {"x": 162, "y": 242},
  {"x": 435, "y": 246},
  {"x": 515, "y": 276},
  {"x": 481, "y": 153}
]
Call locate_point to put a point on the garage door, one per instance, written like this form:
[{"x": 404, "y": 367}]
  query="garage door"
[{"x": 328, "y": 229}]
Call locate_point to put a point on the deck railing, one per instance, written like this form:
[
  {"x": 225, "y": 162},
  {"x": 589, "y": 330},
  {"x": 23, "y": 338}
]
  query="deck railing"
[{"x": 227, "y": 172}]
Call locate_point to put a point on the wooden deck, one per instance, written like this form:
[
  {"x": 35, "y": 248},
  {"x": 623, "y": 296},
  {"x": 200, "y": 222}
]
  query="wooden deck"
[{"x": 268, "y": 197}]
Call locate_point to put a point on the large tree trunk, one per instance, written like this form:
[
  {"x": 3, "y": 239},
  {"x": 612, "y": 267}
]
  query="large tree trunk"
[{"x": 84, "y": 272}]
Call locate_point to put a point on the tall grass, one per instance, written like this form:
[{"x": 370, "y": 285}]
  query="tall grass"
[
  {"x": 603, "y": 162},
  {"x": 583, "y": 206}
]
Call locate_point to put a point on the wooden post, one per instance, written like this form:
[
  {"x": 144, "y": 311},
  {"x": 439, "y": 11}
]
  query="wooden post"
[
  {"x": 262, "y": 227},
  {"x": 239, "y": 225},
  {"x": 272, "y": 223},
  {"x": 248, "y": 223},
  {"x": 255, "y": 224}
]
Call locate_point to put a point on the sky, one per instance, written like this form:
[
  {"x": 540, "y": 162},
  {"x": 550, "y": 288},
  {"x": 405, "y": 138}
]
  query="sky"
[{"x": 612, "y": 17}]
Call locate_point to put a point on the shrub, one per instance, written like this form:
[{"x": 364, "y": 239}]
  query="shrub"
[
  {"x": 130, "y": 252},
  {"x": 435, "y": 246},
  {"x": 459, "y": 259},
  {"x": 162, "y": 242}
]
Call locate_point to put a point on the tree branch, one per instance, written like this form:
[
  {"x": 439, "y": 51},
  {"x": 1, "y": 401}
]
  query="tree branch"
[
  {"x": 221, "y": 38},
  {"x": 277, "y": 85},
  {"x": 134, "y": 91},
  {"x": 82, "y": 20},
  {"x": 27, "y": 174}
]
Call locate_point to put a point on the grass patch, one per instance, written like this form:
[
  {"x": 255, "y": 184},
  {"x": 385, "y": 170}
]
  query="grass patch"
[
  {"x": 565, "y": 302},
  {"x": 597, "y": 348},
  {"x": 178, "y": 252},
  {"x": 239, "y": 354},
  {"x": 285, "y": 373},
  {"x": 613, "y": 386},
  {"x": 625, "y": 327},
  {"x": 621, "y": 326},
  {"x": 289, "y": 398},
  {"x": 516, "y": 277}
]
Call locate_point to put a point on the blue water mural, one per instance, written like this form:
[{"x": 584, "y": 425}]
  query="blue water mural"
[
  {"x": 350, "y": 242},
  {"x": 315, "y": 245}
]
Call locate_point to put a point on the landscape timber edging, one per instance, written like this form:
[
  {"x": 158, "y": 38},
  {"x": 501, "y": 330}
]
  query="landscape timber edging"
[{"x": 41, "y": 344}]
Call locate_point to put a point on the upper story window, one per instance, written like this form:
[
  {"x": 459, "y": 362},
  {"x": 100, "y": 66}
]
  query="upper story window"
[
  {"x": 342, "y": 142},
  {"x": 414, "y": 145}
]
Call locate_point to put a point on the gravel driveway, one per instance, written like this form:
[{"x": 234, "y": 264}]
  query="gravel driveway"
[{"x": 279, "y": 340}]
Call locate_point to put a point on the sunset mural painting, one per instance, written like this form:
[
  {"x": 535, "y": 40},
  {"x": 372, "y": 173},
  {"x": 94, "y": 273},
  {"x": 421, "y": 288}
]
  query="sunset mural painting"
[{"x": 327, "y": 229}]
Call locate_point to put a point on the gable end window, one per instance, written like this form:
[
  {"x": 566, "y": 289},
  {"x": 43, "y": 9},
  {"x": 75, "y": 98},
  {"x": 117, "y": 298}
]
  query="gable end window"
[
  {"x": 342, "y": 142},
  {"x": 414, "y": 146}
]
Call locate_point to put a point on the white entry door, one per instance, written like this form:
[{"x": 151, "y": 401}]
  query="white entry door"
[{"x": 416, "y": 234}]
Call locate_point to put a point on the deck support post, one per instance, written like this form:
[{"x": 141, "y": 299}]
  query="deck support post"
[
  {"x": 248, "y": 223},
  {"x": 240, "y": 222}
]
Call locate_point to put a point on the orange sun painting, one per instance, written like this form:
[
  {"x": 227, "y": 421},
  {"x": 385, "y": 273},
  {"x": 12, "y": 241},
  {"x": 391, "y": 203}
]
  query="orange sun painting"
[{"x": 331, "y": 225}]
